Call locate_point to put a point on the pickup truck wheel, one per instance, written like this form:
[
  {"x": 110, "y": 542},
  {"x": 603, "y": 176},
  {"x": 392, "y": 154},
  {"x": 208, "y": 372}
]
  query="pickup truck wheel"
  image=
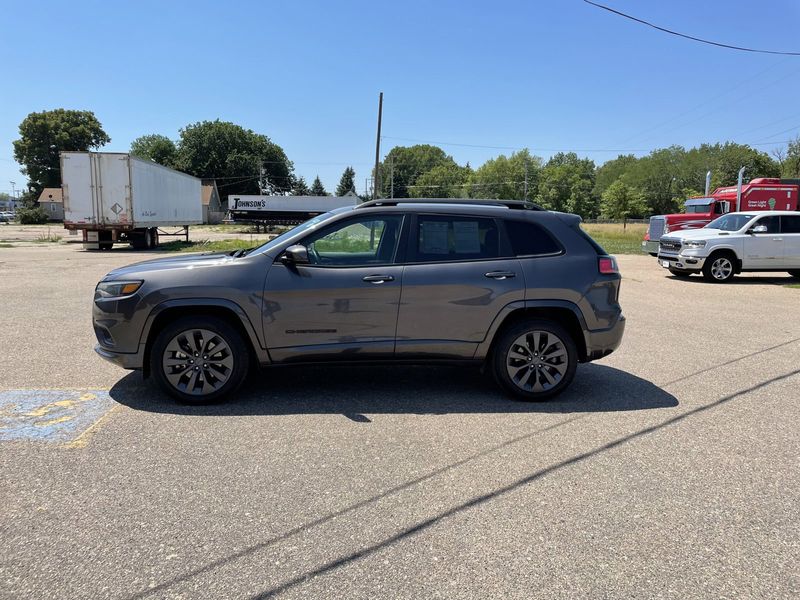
[
  {"x": 719, "y": 268},
  {"x": 679, "y": 273},
  {"x": 199, "y": 360},
  {"x": 535, "y": 359}
]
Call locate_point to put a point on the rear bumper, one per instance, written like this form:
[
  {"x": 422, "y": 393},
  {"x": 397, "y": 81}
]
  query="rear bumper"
[
  {"x": 121, "y": 359},
  {"x": 602, "y": 342}
]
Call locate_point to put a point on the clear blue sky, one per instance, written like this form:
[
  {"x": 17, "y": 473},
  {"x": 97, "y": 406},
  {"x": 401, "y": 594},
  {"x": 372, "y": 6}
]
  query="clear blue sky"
[{"x": 546, "y": 74}]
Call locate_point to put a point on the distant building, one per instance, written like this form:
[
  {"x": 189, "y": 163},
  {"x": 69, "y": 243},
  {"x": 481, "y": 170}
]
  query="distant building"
[
  {"x": 213, "y": 211},
  {"x": 52, "y": 202}
]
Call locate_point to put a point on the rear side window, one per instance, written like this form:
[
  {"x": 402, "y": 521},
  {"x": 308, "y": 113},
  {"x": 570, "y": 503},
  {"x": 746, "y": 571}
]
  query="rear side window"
[
  {"x": 530, "y": 239},
  {"x": 790, "y": 224},
  {"x": 456, "y": 238}
]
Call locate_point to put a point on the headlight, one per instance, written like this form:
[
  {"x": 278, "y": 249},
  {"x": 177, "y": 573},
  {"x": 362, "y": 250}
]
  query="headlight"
[
  {"x": 694, "y": 243},
  {"x": 117, "y": 289}
]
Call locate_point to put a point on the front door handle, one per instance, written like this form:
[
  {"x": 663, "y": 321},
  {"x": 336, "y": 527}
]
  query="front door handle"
[
  {"x": 500, "y": 274},
  {"x": 376, "y": 279}
]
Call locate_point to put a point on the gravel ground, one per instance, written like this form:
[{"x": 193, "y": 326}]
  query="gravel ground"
[{"x": 668, "y": 470}]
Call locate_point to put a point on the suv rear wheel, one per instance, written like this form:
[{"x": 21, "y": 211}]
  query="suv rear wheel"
[
  {"x": 535, "y": 359},
  {"x": 199, "y": 360}
]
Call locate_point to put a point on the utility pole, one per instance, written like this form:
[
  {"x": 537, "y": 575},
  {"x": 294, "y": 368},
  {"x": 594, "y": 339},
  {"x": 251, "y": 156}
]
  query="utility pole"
[
  {"x": 391, "y": 159},
  {"x": 525, "y": 197},
  {"x": 378, "y": 148}
]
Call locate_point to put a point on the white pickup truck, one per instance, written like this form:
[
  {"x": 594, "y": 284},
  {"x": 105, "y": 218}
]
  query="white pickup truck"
[{"x": 735, "y": 243}]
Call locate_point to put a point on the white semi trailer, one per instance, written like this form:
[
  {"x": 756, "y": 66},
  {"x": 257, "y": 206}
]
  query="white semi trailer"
[{"x": 118, "y": 198}]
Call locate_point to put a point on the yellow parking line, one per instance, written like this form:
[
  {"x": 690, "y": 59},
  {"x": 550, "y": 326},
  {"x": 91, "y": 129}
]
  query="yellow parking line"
[{"x": 83, "y": 439}]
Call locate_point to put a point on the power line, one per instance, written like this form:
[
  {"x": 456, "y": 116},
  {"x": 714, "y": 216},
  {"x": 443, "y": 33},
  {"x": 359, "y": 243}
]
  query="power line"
[
  {"x": 516, "y": 148},
  {"x": 689, "y": 37}
]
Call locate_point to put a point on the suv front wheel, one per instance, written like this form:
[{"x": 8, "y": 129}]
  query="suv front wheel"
[
  {"x": 199, "y": 360},
  {"x": 535, "y": 359}
]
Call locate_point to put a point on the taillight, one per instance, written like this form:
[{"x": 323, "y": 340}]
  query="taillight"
[{"x": 607, "y": 265}]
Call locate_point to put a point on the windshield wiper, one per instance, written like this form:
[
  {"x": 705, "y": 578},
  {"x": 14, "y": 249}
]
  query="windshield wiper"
[{"x": 243, "y": 252}]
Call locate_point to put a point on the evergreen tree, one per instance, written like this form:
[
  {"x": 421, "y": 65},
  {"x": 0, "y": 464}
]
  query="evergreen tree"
[
  {"x": 300, "y": 187},
  {"x": 317, "y": 189},
  {"x": 347, "y": 183}
]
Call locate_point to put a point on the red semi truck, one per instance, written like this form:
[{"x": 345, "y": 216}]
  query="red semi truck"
[{"x": 759, "y": 194}]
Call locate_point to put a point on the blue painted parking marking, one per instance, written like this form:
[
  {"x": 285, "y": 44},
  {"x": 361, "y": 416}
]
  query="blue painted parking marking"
[{"x": 51, "y": 415}]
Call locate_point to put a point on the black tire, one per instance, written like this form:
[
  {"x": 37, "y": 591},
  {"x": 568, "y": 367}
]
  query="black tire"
[
  {"x": 154, "y": 231},
  {"x": 202, "y": 383},
  {"x": 555, "y": 357},
  {"x": 795, "y": 273},
  {"x": 106, "y": 245},
  {"x": 679, "y": 273},
  {"x": 719, "y": 267},
  {"x": 136, "y": 239}
]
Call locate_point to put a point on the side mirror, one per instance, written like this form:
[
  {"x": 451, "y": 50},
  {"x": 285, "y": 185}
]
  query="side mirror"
[
  {"x": 759, "y": 229},
  {"x": 295, "y": 255}
]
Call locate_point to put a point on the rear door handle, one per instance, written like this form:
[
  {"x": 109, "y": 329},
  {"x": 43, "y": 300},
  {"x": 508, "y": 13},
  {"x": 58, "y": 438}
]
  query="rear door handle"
[
  {"x": 500, "y": 274},
  {"x": 377, "y": 278}
]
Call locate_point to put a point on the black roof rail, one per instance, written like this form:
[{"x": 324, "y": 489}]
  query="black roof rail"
[{"x": 513, "y": 204}]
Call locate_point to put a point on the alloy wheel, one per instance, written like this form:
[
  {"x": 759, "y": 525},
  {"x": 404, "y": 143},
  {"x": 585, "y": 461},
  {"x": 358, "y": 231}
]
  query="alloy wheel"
[
  {"x": 197, "y": 362},
  {"x": 537, "y": 361},
  {"x": 721, "y": 268}
]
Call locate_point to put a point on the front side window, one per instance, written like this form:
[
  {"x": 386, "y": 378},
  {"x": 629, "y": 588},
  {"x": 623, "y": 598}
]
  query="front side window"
[
  {"x": 453, "y": 237},
  {"x": 773, "y": 224},
  {"x": 368, "y": 241}
]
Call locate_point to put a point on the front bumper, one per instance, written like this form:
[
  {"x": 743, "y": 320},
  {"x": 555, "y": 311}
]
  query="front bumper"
[
  {"x": 121, "y": 359},
  {"x": 681, "y": 262},
  {"x": 650, "y": 246},
  {"x": 603, "y": 342}
]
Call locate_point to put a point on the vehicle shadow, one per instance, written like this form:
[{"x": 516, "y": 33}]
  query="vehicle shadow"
[
  {"x": 744, "y": 279},
  {"x": 355, "y": 391}
]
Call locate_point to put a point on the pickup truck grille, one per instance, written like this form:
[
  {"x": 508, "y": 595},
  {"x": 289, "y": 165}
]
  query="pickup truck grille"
[
  {"x": 669, "y": 245},
  {"x": 656, "y": 229}
]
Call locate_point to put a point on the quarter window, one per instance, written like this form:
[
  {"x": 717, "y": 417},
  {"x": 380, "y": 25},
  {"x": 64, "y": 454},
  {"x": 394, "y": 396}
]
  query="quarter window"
[
  {"x": 441, "y": 238},
  {"x": 529, "y": 239}
]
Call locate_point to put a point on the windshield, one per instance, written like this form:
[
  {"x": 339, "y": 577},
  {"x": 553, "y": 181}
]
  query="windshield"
[
  {"x": 306, "y": 226},
  {"x": 730, "y": 222},
  {"x": 698, "y": 205}
]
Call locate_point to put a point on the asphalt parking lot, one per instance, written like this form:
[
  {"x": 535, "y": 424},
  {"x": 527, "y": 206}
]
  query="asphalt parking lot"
[{"x": 668, "y": 470}]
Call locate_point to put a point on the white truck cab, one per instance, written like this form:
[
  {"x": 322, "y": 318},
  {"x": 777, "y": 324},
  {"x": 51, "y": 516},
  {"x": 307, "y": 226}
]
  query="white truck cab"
[{"x": 735, "y": 243}]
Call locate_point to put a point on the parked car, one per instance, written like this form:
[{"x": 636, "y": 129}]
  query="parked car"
[
  {"x": 521, "y": 290},
  {"x": 735, "y": 243},
  {"x": 6, "y": 216}
]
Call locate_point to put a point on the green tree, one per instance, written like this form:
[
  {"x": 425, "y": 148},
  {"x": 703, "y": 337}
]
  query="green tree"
[
  {"x": 155, "y": 147},
  {"x": 611, "y": 170},
  {"x": 317, "y": 189},
  {"x": 243, "y": 161},
  {"x": 403, "y": 165},
  {"x": 347, "y": 183},
  {"x": 620, "y": 201},
  {"x": 43, "y": 135},
  {"x": 446, "y": 180},
  {"x": 504, "y": 177},
  {"x": 789, "y": 159},
  {"x": 566, "y": 183},
  {"x": 300, "y": 187}
]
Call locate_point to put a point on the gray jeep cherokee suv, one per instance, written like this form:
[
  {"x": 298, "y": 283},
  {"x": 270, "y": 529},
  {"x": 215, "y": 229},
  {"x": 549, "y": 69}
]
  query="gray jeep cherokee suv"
[{"x": 521, "y": 290}]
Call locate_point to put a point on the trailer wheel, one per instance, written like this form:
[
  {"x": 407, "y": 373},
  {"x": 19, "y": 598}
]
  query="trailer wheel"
[
  {"x": 106, "y": 245},
  {"x": 154, "y": 231}
]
